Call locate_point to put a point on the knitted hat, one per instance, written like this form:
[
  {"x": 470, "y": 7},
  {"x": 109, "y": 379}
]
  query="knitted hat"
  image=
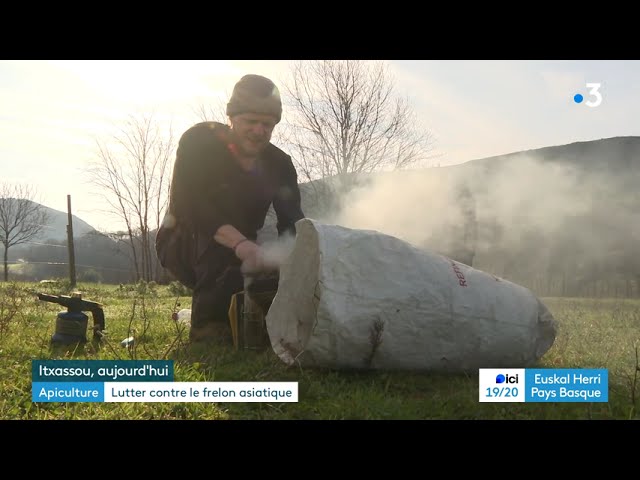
[{"x": 255, "y": 94}]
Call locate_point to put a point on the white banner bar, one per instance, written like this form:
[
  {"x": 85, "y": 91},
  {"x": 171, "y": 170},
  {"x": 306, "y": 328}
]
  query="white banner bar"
[{"x": 201, "y": 392}]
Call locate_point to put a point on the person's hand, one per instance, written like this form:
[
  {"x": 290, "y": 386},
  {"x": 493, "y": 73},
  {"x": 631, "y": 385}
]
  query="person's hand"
[{"x": 253, "y": 258}]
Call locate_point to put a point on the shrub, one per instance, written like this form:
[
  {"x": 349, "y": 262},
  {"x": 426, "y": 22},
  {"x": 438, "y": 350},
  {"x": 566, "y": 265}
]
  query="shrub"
[{"x": 179, "y": 290}]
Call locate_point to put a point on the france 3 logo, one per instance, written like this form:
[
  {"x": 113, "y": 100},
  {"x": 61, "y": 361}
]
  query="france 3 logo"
[
  {"x": 595, "y": 97},
  {"x": 502, "y": 385}
]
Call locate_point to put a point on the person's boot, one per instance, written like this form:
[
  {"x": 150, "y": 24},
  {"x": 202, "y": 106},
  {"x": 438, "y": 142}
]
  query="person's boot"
[{"x": 218, "y": 333}]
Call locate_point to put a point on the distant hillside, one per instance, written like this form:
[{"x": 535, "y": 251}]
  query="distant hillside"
[
  {"x": 56, "y": 229},
  {"x": 620, "y": 154},
  {"x": 617, "y": 159},
  {"x": 49, "y": 259},
  {"x": 563, "y": 220}
]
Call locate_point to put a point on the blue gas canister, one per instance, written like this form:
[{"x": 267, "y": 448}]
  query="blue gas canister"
[{"x": 71, "y": 327}]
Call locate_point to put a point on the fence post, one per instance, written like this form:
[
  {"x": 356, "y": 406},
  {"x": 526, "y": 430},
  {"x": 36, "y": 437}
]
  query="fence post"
[{"x": 72, "y": 255}]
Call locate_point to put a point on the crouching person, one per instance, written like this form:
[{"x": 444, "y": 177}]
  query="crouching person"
[{"x": 225, "y": 179}]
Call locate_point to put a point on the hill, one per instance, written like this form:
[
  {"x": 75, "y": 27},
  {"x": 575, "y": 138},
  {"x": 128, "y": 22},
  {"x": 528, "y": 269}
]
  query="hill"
[
  {"x": 562, "y": 219},
  {"x": 56, "y": 228},
  {"x": 620, "y": 153}
]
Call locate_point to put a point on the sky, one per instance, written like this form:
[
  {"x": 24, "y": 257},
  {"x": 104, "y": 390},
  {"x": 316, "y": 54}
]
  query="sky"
[{"x": 54, "y": 112}]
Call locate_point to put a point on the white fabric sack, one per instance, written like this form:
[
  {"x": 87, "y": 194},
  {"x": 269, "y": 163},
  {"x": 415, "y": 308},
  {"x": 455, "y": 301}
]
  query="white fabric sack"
[{"x": 360, "y": 299}]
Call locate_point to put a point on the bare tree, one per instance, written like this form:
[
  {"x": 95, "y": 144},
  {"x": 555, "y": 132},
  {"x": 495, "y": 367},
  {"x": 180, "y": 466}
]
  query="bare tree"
[
  {"x": 211, "y": 113},
  {"x": 133, "y": 172},
  {"x": 21, "y": 218},
  {"x": 345, "y": 120}
]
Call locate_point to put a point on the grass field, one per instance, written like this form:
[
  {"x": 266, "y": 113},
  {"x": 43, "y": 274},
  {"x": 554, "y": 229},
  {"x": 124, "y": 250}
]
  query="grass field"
[{"x": 602, "y": 333}]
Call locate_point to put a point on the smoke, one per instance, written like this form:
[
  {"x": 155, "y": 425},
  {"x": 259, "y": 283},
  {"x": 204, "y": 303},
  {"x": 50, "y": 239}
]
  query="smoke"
[
  {"x": 559, "y": 220},
  {"x": 411, "y": 205},
  {"x": 524, "y": 194},
  {"x": 514, "y": 199},
  {"x": 276, "y": 251}
]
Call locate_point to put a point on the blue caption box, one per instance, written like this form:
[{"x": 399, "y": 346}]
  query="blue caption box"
[
  {"x": 101, "y": 371},
  {"x": 67, "y": 392},
  {"x": 566, "y": 385}
]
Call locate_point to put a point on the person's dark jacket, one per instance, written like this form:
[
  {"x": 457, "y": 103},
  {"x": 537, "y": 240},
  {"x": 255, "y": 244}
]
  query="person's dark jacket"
[{"x": 210, "y": 189}]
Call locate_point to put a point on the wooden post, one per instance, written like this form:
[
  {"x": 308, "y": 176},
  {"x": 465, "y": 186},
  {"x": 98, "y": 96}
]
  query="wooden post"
[{"x": 72, "y": 254}]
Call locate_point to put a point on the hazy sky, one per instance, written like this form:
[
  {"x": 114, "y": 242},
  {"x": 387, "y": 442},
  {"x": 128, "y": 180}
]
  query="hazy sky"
[{"x": 53, "y": 111}]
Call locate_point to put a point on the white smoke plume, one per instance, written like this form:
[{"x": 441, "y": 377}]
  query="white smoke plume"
[{"x": 276, "y": 251}]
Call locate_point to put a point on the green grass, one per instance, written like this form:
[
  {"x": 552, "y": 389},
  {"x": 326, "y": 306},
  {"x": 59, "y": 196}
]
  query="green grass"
[{"x": 592, "y": 334}]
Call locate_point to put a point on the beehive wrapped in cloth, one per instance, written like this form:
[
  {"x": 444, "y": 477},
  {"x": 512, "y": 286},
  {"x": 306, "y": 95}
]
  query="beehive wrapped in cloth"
[{"x": 361, "y": 299}]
